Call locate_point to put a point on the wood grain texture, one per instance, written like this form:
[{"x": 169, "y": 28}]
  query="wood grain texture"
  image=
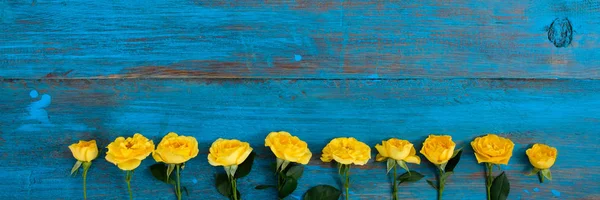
[
  {"x": 40, "y": 118},
  {"x": 300, "y": 39}
]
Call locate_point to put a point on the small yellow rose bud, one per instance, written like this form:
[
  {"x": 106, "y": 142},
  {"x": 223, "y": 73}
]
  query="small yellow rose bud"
[
  {"x": 492, "y": 149},
  {"x": 438, "y": 149},
  {"x": 346, "y": 151},
  {"x": 542, "y": 156},
  {"x": 84, "y": 151},
  {"x": 225, "y": 152}
]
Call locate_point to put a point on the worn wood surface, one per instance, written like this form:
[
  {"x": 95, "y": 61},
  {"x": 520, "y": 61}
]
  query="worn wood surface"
[
  {"x": 300, "y": 39},
  {"x": 73, "y": 70},
  {"x": 36, "y": 131}
]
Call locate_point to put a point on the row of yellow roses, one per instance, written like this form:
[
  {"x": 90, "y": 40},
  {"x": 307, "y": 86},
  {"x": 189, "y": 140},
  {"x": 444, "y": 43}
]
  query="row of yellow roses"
[{"x": 174, "y": 150}]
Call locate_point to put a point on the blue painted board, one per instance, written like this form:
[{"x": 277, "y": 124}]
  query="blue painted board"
[
  {"x": 41, "y": 117},
  {"x": 300, "y": 39}
]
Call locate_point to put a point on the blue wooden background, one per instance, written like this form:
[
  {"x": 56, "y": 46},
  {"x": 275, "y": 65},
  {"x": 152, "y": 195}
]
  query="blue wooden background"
[{"x": 74, "y": 69}]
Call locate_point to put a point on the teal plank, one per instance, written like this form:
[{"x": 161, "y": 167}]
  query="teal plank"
[
  {"x": 300, "y": 39},
  {"x": 40, "y": 118}
]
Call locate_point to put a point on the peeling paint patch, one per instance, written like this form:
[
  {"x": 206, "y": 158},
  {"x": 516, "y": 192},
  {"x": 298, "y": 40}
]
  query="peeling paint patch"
[
  {"x": 556, "y": 193},
  {"x": 37, "y": 109},
  {"x": 37, "y": 116},
  {"x": 33, "y": 94}
]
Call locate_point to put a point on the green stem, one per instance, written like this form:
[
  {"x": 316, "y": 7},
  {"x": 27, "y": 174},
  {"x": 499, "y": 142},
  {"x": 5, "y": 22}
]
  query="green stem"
[
  {"x": 541, "y": 176},
  {"x": 489, "y": 178},
  {"x": 178, "y": 184},
  {"x": 84, "y": 180},
  {"x": 128, "y": 180},
  {"x": 234, "y": 187},
  {"x": 395, "y": 186},
  {"x": 347, "y": 184},
  {"x": 441, "y": 183},
  {"x": 86, "y": 166}
]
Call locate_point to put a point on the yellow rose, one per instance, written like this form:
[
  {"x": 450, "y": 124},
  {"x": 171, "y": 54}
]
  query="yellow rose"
[
  {"x": 84, "y": 151},
  {"x": 128, "y": 153},
  {"x": 225, "y": 152},
  {"x": 288, "y": 147},
  {"x": 397, "y": 149},
  {"x": 175, "y": 149},
  {"x": 346, "y": 151},
  {"x": 542, "y": 156},
  {"x": 438, "y": 149},
  {"x": 492, "y": 149}
]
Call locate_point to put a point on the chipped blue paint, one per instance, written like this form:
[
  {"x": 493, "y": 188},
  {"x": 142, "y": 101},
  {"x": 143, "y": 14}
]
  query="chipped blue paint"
[
  {"x": 373, "y": 76},
  {"x": 536, "y": 189},
  {"x": 526, "y": 191},
  {"x": 556, "y": 193},
  {"x": 297, "y": 57},
  {"x": 37, "y": 112},
  {"x": 33, "y": 94}
]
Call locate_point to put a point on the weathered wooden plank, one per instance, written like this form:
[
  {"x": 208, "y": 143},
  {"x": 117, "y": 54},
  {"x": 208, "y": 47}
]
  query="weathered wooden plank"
[
  {"x": 300, "y": 39},
  {"x": 40, "y": 118}
]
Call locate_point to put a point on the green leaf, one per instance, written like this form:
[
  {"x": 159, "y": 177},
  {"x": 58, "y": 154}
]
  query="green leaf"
[
  {"x": 500, "y": 187},
  {"x": 279, "y": 163},
  {"x": 547, "y": 174},
  {"x": 230, "y": 170},
  {"x": 262, "y": 187},
  {"x": 159, "y": 171},
  {"x": 432, "y": 184},
  {"x": 456, "y": 151},
  {"x": 296, "y": 171},
  {"x": 322, "y": 192},
  {"x": 453, "y": 161},
  {"x": 185, "y": 190},
  {"x": 441, "y": 166},
  {"x": 288, "y": 186},
  {"x": 284, "y": 165},
  {"x": 75, "y": 167},
  {"x": 273, "y": 167},
  {"x": 223, "y": 184},
  {"x": 342, "y": 169},
  {"x": 246, "y": 166},
  {"x": 403, "y": 165},
  {"x": 446, "y": 175},
  {"x": 534, "y": 171},
  {"x": 411, "y": 176},
  {"x": 170, "y": 168},
  {"x": 390, "y": 164}
]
